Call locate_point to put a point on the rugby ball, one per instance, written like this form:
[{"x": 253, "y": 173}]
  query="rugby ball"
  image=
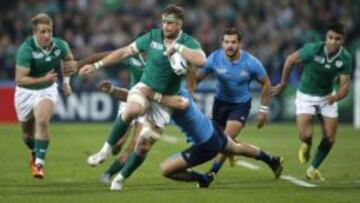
[{"x": 178, "y": 64}]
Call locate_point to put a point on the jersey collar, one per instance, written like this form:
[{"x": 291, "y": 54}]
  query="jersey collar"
[
  {"x": 327, "y": 55},
  {"x": 177, "y": 38},
  {"x": 43, "y": 50}
]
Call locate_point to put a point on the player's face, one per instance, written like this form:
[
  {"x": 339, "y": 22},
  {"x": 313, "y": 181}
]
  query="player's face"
[
  {"x": 170, "y": 29},
  {"x": 231, "y": 45},
  {"x": 333, "y": 41},
  {"x": 44, "y": 34}
]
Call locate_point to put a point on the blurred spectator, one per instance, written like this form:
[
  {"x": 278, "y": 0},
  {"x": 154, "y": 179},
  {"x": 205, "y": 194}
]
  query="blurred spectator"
[{"x": 271, "y": 29}]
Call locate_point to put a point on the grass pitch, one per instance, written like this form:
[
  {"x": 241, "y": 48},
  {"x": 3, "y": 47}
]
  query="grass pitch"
[{"x": 69, "y": 179}]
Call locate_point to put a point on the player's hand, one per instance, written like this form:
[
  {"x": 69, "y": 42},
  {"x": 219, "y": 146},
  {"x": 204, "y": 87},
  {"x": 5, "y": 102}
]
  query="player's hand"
[
  {"x": 278, "y": 89},
  {"x": 70, "y": 67},
  {"x": 105, "y": 86},
  {"x": 175, "y": 102},
  {"x": 146, "y": 91},
  {"x": 170, "y": 50},
  {"x": 67, "y": 89},
  {"x": 261, "y": 119},
  {"x": 331, "y": 99},
  {"x": 86, "y": 70},
  {"x": 50, "y": 77}
]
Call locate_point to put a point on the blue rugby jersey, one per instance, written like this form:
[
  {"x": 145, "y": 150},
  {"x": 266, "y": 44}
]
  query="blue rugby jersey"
[{"x": 234, "y": 77}]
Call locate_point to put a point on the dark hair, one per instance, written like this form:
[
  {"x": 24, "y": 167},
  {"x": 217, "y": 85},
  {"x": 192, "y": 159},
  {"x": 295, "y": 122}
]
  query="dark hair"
[
  {"x": 178, "y": 11},
  {"x": 232, "y": 31},
  {"x": 336, "y": 27}
]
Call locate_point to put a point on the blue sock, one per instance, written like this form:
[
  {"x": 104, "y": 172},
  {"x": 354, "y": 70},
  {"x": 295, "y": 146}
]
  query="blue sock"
[
  {"x": 195, "y": 176},
  {"x": 216, "y": 167}
]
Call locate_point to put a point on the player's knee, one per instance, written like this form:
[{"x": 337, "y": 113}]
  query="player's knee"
[
  {"x": 165, "y": 170},
  {"x": 42, "y": 124}
]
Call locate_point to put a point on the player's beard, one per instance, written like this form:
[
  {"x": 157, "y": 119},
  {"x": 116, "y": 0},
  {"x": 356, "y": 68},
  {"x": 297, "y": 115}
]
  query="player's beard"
[{"x": 231, "y": 53}]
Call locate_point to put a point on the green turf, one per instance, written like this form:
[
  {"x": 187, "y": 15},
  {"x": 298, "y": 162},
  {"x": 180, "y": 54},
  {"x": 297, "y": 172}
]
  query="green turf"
[{"x": 69, "y": 179}]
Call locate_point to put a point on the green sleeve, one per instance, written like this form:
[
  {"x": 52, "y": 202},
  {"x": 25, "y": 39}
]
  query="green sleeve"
[
  {"x": 307, "y": 52},
  {"x": 348, "y": 66},
  {"x": 65, "y": 49},
  {"x": 23, "y": 56},
  {"x": 143, "y": 42},
  {"x": 192, "y": 44}
]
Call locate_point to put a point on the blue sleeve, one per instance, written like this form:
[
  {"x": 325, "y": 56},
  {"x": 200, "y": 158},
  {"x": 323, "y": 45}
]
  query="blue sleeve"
[
  {"x": 208, "y": 68},
  {"x": 257, "y": 69}
]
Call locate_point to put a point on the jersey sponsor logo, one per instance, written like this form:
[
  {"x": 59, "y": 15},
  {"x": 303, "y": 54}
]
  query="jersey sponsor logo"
[
  {"x": 136, "y": 62},
  {"x": 156, "y": 45},
  {"x": 57, "y": 52},
  {"x": 327, "y": 66},
  {"x": 37, "y": 55},
  {"x": 319, "y": 59},
  {"x": 48, "y": 58},
  {"x": 221, "y": 70},
  {"x": 339, "y": 64}
]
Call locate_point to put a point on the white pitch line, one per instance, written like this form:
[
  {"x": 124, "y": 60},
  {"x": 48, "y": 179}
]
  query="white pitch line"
[
  {"x": 169, "y": 139},
  {"x": 247, "y": 165},
  {"x": 291, "y": 179},
  {"x": 297, "y": 181}
]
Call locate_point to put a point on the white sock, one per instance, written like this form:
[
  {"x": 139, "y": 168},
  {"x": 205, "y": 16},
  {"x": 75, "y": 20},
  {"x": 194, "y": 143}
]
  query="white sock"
[
  {"x": 39, "y": 162},
  {"x": 106, "y": 148}
]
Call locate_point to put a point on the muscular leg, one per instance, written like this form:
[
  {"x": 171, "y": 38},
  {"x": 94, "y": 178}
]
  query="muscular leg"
[
  {"x": 147, "y": 138},
  {"x": 251, "y": 151},
  {"x": 329, "y": 127},
  {"x": 232, "y": 129},
  {"x": 28, "y": 131},
  {"x": 42, "y": 113},
  {"x": 305, "y": 128}
]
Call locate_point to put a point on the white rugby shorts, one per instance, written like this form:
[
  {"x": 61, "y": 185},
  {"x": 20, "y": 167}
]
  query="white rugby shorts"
[
  {"x": 308, "y": 104},
  {"x": 26, "y": 99}
]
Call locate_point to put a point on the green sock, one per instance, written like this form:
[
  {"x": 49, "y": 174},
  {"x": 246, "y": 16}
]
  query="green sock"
[
  {"x": 132, "y": 163},
  {"x": 118, "y": 130},
  {"x": 41, "y": 148},
  {"x": 30, "y": 143},
  {"x": 321, "y": 153},
  {"x": 115, "y": 167}
]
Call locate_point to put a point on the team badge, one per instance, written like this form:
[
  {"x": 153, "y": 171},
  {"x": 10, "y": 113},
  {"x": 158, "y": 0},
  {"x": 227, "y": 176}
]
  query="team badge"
[
  {"x": 57, "y": 52},
  {"x": 338, "y": 64}
]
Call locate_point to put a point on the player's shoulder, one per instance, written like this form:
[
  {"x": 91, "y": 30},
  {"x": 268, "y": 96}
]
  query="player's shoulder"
[
  {"x": 59, "y": 42},
  {"x": 27, "y": 44},
  {"x": 217, "y": 54},
  {"x": 314, "y": 45},
  {"x": 346, "y": 54},
  {"x": 249, "y": 58}
]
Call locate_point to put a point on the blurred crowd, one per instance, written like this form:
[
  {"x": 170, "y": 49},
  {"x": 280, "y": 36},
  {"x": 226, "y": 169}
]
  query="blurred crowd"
[{"x": 271, "y": 29}]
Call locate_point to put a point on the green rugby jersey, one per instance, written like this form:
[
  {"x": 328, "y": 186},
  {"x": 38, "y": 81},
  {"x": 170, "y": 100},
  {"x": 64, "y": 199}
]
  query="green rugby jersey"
[
  {"x": 31, "y": 55},
  {"x": 135, "y": 65},
  {"x": 320, "y": 71},
  {"x": 158, "y": 73}
]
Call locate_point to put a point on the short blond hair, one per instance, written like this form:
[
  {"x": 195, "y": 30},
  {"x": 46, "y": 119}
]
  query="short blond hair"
[{"x": 41, "y": 18}]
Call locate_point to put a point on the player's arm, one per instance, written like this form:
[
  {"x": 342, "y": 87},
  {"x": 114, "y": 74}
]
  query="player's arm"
[
  {"x": 343, "y": 90},
  {"x": 176, "y": 102},
  {"x": 194, "y": 56},
  {"x": 66, "y": 77},
  {"x": 22, "y": 77},
  {"x": 111, "y": 58},
  {"x": 191, "y": 80},
  {"x": 72, "y": 66},
  {"x": 290, "y": 61},
  {"x": 262, "y": 115}
]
